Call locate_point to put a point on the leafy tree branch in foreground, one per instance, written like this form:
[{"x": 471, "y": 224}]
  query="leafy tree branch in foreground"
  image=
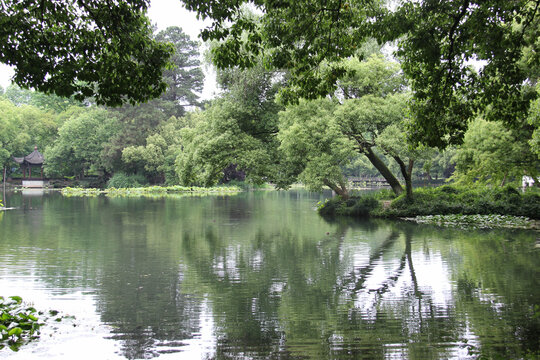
[
  {"x": 437, "y": 43},
  {"x": 87, "y": 48}
]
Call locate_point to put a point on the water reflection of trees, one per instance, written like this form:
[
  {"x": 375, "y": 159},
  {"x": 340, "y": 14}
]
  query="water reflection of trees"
[
  {"x": 293, "y": 290},
  {"x": 284, "y": 296},
  {"x": 141, "y": 298}
]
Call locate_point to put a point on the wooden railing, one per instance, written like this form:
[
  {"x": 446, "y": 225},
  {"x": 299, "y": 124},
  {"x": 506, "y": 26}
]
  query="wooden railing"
[{"x": 367, "y": 181}]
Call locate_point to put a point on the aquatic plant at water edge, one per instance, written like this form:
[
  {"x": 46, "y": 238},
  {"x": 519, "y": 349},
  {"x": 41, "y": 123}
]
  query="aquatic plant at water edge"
[
  {"x": 18, "y": 323},
  {"x": 150, "y": 191},
  {"x": 447, "y": 199},
  {"x": 475, "y": 221}
]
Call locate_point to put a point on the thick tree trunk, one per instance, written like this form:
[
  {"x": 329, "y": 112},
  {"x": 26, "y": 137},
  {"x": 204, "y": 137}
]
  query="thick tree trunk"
[
  {"x": 408, "y": 179},
  {"x": 385, "y": 172},
  {"x": 406, "y": 171},
  {"x": 340, "y": 190}
]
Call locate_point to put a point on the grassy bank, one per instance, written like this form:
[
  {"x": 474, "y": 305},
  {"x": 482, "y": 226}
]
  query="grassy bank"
[{"x": 444, "y": 200}]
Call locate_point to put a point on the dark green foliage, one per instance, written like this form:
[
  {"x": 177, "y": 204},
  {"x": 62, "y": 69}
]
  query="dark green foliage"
[
  {"x": 447, "y": 189},
  {"x": 530, "y": 205},
  {"x": 97, "y": 182},
  {"x": 85, "y": 48},
  {"x": 330, "y": 206},
  {"x": 436, "y": 43},
  {"x": 236, "y": 131},
  {"x": 446, "y": 200},
  {"x": 185, "y": 78},
  {"x": 122, "y": 180},
  {"x": 384, "y": 194},
  {"x": 354, "y": 206}
]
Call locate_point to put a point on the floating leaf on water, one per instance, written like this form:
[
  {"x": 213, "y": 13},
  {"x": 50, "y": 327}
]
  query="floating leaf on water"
[
  {"x": 18, "y": 299},
  {"x": 17, "y": 331}
]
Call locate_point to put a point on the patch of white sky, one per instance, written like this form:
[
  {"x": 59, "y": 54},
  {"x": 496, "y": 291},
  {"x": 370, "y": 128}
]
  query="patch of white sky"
[{"x": 162, "y": 14}]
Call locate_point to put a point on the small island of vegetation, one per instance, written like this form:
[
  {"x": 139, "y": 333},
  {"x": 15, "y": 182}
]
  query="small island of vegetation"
[{"x": 447, "y": 205}]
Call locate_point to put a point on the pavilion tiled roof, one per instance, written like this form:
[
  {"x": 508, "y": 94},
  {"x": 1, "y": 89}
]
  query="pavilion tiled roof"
[{"x": 34, "y": 158}]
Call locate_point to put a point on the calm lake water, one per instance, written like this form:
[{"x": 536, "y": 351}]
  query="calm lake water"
[{"x": 261, "y": 275}]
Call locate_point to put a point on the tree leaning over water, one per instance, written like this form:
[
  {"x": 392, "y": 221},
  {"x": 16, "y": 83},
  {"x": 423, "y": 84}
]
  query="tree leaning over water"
[{"x": 367, "y": 116}]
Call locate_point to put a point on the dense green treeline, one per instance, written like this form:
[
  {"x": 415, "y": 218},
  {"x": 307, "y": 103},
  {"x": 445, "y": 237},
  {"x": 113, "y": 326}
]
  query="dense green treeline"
[
  {"x": 250, "y": 133},
  {"x": 246, "y": 134},
  {"x": 82, "y": 138}
]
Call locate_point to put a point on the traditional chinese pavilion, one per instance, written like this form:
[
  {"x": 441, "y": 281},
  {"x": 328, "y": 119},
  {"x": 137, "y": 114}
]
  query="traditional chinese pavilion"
[{"x": 32, "y": 160}]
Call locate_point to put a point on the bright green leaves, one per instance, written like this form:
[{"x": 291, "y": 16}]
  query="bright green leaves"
[
  {"x": 314, "y": 146},
  {"x": 18, "y": 324},
  {"x": 80, "y": 142},
  {"x": 534, "y": 121},
  {"x": 21, "y": 128},
  {"x": 235, "y": 135},
  {"x": 222, "y": 137},
  {"x": 494, "y": 154}
]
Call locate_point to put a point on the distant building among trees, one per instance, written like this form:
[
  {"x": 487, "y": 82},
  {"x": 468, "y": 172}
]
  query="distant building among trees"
[{"x": 34, "y": 159}]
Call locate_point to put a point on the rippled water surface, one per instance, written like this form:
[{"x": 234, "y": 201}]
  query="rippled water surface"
[{"x": 261, "y": 275}]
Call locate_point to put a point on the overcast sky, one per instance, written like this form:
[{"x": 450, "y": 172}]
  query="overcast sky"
[{"x": 163, "y": 13}]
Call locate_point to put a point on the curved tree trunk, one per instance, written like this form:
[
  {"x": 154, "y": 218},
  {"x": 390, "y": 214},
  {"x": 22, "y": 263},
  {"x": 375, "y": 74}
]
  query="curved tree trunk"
[
  {"x": 340, "y": 189},
  {"x": 383, "y": 169},
  {"x": 406, "y": 171}
]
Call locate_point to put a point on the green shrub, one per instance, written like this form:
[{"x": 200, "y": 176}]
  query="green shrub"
[
  {"x": 364, "y": 206},
  {"x": 122, "y": 180},
  {"x": 354, "y": 206},
  {"x": 530, "y": 205},
  {"x": 97, "y": 183},
  {"x": 447, "y": 200},
  {"x": 384, "y": 194},
  {"x": 329, "y": 206},
  {"x": 447, "y": 189}
]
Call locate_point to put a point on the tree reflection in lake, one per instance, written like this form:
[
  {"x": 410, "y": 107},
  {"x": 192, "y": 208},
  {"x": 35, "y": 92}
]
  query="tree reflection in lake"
[{"x": 261, "y": 275}]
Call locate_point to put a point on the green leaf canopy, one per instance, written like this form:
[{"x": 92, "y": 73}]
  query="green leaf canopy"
[
  {"x": 85, "y": 48},
  {"x": 437, "y": 44}
]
